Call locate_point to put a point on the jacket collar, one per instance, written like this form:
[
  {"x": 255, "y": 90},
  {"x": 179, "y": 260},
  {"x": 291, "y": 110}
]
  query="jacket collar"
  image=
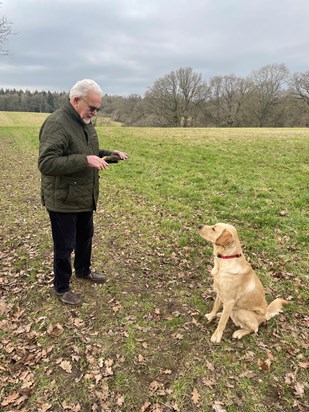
[{"x": 73, "y": 113}]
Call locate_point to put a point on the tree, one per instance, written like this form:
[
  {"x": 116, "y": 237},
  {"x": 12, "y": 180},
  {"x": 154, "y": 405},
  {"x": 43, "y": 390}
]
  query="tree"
[
  {"x": 300, "y": 86},
  {"x": 5, "y": 32},
  {"x": 267, "y": 90},
  {"x": 128, "y": 110},
  {"x": 176, "y": 99},
  {"x": 228, "y": 95},
  {"x": 299, "y": 97}
]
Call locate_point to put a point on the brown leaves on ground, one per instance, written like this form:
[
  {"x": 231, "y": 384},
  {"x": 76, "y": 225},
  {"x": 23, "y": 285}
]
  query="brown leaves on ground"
[{"x": 38, "y": 334}]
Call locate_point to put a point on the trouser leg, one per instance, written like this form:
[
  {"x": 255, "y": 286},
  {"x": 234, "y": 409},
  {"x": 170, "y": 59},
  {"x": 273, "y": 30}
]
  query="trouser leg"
[
  {"x": 83, "y": 247},
  {"x": 64, "y": 234}
]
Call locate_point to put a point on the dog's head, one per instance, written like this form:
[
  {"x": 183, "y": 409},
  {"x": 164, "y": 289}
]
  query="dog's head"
[{"x": 220, "y": 234}]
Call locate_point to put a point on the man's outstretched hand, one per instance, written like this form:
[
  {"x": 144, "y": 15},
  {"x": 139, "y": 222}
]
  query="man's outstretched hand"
[{"x": 121, "y": 155}]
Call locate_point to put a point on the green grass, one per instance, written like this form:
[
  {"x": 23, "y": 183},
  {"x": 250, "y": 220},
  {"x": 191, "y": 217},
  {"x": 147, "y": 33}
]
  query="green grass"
[{"x": 142, "y": 338}]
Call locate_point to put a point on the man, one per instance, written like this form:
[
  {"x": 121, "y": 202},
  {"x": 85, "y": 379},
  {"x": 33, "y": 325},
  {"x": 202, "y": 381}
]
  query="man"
[{"x": 69, "y": 162}]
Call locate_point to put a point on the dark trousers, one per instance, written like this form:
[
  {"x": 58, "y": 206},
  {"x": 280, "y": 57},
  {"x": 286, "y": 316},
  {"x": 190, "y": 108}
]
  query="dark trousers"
[{"x": 71, "y": 231}]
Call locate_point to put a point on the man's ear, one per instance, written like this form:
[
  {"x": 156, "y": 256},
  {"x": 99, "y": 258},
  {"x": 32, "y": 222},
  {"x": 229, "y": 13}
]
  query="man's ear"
[{"x": 225, "y": 238}]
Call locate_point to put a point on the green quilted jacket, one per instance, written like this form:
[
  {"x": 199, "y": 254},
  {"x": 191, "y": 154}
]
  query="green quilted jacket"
[{"x": 67, "y": 183}]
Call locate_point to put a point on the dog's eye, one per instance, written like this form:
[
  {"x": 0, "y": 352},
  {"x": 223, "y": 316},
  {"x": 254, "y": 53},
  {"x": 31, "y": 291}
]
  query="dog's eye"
[{"x": 213, "y": 229}]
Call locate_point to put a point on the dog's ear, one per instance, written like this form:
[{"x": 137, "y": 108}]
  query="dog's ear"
[{"x": 225, "y": 238}]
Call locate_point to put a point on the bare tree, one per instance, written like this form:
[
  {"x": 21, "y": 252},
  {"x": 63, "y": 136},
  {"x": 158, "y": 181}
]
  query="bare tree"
[
  {"x": 5, "y": 32},
  {"x": 299, "y": 99},
  {"x": 300, "y": 86},
  {"x": 177, "y": 98},
  {"x": 228, "y": 95},
  {"x": 267, "y": 88}
]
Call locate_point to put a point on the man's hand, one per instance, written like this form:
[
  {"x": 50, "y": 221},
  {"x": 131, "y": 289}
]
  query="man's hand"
[
  {"x": 97, "y": 162},
  {"x": 121, "y": 155}
]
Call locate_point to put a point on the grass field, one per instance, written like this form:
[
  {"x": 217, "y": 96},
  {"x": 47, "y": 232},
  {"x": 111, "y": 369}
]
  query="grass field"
[{"x": 141, "y": 342}]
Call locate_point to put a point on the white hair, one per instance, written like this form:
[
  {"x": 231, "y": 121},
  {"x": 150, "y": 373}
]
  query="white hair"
[{"x": 83, "y": 87}]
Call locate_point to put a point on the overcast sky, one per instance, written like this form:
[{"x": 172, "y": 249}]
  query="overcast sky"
[{"x": 126, "y": 45}]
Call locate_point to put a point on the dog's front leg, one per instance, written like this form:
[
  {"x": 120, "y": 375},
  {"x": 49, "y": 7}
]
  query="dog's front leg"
[
  {"x": 217, "y": 305},
  {"x": 227, "y": 310}
]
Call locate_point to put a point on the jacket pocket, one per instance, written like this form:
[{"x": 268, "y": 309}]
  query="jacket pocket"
[
  {"x": 76, "y": 189},
  {"x": 71, "y": 197}
]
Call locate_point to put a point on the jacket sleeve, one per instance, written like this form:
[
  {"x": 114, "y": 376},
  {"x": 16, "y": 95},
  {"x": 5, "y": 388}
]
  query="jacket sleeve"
[
  {"x": 103, "y": 153},
  {"x": 54, "y": 157}
]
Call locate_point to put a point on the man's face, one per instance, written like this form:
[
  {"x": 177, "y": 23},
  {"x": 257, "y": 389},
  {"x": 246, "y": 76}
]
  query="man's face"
[{"x": 88, "y": 106}]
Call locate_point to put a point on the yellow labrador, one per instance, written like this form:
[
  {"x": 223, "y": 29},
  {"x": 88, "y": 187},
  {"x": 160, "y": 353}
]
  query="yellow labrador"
[{"x": 238, "y": 288}]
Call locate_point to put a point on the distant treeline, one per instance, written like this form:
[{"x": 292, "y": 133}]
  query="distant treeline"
[
  {"x": 268, "y": 97},
  {"x": 26, "y": 101}
]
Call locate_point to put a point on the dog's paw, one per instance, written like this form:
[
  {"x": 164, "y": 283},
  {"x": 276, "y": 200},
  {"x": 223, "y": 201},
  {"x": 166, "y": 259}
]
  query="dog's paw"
[
  {"x": 216, "y": 337},
  {"x": 210, "y": 316},
  {"x": 238, "y": 334}
]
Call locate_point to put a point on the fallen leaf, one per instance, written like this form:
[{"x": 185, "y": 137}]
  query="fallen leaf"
[
  {"x": 109, "y": 362},
  {"x": 108, "y": 371},
  {"x": 120, "y": 400},
  {"x": 10, "y": 399},
  {"x": 210, "y": 366},
  {"x": 217, "y": 407},
  {"x": 299, "y": 389},
  {"x": 196, "y": 397},
  {"x": 154, "y": 386},
  {"x": 20, "y": 400},
  {"x": 209, "y": 382},
  {"x": 290, "y": 378},
  {"x": 9, "y": 348},
  {"x": 66, "y": 366},
  {"x": 145, "y": 406},
  {"x": 4, "y": 307},
  {"x": 98, "y": 377},
  {"x": 78, "y": 322},
  {"x": 265, "y": 365},
  {"x": 141, "y": 358},
  {"x": 45, "y": 407},
  {"x": 55, "y": 330}
]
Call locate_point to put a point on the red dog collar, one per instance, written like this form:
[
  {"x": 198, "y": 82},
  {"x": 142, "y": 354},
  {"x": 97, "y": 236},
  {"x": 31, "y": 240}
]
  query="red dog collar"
[{"x": 228, "y": 257}]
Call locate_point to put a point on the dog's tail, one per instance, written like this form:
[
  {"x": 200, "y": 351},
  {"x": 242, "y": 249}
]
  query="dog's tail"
[{"x": 275, "y": 307}]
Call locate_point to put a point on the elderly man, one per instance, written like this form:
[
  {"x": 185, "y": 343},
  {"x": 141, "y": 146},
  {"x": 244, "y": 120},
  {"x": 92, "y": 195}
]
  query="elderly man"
[{"x": 69, "y": 162}]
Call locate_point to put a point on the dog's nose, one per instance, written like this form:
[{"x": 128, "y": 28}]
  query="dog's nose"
[{"x": 201, "y": 226}]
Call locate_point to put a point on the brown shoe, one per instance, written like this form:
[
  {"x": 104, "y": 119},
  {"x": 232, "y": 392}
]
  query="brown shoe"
[
  {"x": 69, "y": 298},
  {"x": 94, "y": 277}
]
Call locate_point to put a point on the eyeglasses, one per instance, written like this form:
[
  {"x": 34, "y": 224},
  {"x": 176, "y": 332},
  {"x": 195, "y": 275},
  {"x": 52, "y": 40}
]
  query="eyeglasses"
[{"x": 91, "y": 108}]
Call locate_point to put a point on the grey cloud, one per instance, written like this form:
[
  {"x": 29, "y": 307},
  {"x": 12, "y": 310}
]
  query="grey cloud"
[{"x": 128, "y": 44}]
